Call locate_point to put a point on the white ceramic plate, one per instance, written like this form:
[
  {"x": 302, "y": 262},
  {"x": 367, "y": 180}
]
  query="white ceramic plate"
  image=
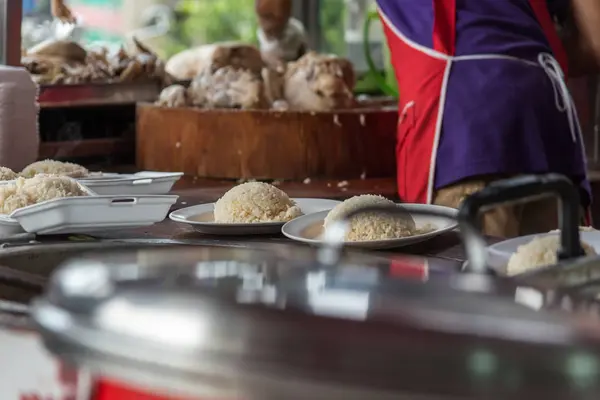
[
  {"x": 308, "y": 228},
  {"x": 499, "y": 253},
  {"x": 200, "y": 217}
]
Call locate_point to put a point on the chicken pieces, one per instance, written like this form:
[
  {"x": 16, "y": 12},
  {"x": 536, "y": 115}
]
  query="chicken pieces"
[
  {"x": 315, "y": 82},
  {"x": 228, "y": 87},
  {"x": 190, "y": 63},
  {"x": 59, "y": 49},
  {"x": 66, "y": 62},
  {"x": 318, "y": 82},
  {"x": 173, "y": 96},
  {"x": 226, "y": 75}
]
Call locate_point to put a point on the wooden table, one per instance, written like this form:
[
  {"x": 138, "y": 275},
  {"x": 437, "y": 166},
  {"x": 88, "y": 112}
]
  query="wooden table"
[{"x": 447, "y": 247}]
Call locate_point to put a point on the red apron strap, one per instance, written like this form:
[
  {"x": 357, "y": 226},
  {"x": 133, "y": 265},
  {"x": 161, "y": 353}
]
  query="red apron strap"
[
  {"x": 540, "y": 8},
  {"x": 588, "y": 220},
  {"x": 444, "y": 26}
]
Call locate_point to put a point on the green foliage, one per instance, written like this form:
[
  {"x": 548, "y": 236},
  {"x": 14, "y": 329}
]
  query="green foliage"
[
  {"x": 208, "y": 21},
  {"x": 332, "y": 19}
]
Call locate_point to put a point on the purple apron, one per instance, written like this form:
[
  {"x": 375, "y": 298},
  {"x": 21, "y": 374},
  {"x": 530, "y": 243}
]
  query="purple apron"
[{"x": 504, "y": 106}]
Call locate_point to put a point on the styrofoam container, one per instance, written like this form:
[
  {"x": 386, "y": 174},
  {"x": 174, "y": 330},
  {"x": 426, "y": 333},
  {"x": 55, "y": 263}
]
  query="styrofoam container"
[
  {"x": 141, "y": 183},
  {"x": 11, "y": 228},
  {"x": 92, "y": 213}
]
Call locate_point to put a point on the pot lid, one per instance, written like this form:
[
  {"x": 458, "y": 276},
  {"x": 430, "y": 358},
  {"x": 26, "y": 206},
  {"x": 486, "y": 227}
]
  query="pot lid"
[{"x": 179, "y": 314}]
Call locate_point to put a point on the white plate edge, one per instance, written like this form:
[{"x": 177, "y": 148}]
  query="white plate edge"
[
  {"x": 184, "y": 220},
  {"x": 417, "y": 238}
]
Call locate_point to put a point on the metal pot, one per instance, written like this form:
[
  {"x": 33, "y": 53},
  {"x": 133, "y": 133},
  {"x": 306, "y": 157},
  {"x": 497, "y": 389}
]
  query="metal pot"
[
  {"x": 297, "y": 323},
  {"x": 196, "y": 323}
]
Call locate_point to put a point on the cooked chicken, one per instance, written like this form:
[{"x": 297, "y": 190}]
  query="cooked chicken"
[
  {"x": 64, "y": 49},
  {"x": 139, "y": 63},
  {"x": 40, "y": 67},
  {"x": 280, "y": 105},
  {"x": 190, "y": 63},
  {"x": 318, "y": 82},
  {"x": 173, "y": 96},
  {"x": 197, "y": 92},
  {"x": 273, "y": 83},
  {"x": 228, "y": 87},
  {"x": 66, "y": 62},
  {"x": 239, "y": 57}
]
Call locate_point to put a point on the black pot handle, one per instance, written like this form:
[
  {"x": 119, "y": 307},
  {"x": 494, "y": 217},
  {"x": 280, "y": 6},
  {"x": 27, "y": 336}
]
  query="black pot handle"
[{"x": 515, "y": 189}]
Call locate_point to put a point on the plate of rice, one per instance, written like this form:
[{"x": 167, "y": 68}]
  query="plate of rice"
[
  {"x": 252, "y": 208},
  {"x": 374, "y": 230},
  {"x": 525, "y": 253}
]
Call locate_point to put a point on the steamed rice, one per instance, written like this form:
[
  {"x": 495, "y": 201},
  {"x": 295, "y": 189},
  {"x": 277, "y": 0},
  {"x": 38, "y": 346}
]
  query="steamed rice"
[
  {"x": 254, "y": 202},
  {"x": 7, "y": 174},
  {"x": 539, "y": 252},
  {"x": 53, "y": 167},
  {"x": 26, "y": 192},
  {"x": 372, "y": 225}
]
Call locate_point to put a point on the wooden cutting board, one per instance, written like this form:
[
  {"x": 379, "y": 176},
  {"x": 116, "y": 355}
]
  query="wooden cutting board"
[{"x": 236, "y": 144}]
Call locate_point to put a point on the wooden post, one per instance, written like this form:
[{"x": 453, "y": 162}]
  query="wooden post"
[{"x": 11, "y": 13}]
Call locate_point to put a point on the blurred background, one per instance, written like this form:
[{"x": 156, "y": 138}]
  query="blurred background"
[
  {"x": 170, "y": 26},
  {"x": 88, "y": 125}
]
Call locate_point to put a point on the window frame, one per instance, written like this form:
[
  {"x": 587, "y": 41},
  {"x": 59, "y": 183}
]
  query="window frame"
[{"x": 307, "y": 11}]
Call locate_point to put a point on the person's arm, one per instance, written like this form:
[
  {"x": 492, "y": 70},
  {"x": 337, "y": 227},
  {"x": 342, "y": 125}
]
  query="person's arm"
[
  {"x": 581, "y": 37},
  {"x": 581, "y": 59},
  {"x": 62, "y": 12}
]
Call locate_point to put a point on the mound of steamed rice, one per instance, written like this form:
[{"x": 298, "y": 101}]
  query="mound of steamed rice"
[
  {"x": 47, "y": 187},
  {"x": 11, "y": 199},
  {"x": 26, "y": 192},
  {"x": 539, "y": 252},
  {"x": 254, "y": 202},
  {"x": 53, "y": 167},
  {"x": 7, "y": 174},
  {"x": 372, "y": 225}
]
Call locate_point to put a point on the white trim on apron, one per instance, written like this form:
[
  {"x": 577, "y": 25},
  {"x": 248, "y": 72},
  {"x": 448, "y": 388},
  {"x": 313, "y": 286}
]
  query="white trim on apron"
[{"x": 563, "y": 99}]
